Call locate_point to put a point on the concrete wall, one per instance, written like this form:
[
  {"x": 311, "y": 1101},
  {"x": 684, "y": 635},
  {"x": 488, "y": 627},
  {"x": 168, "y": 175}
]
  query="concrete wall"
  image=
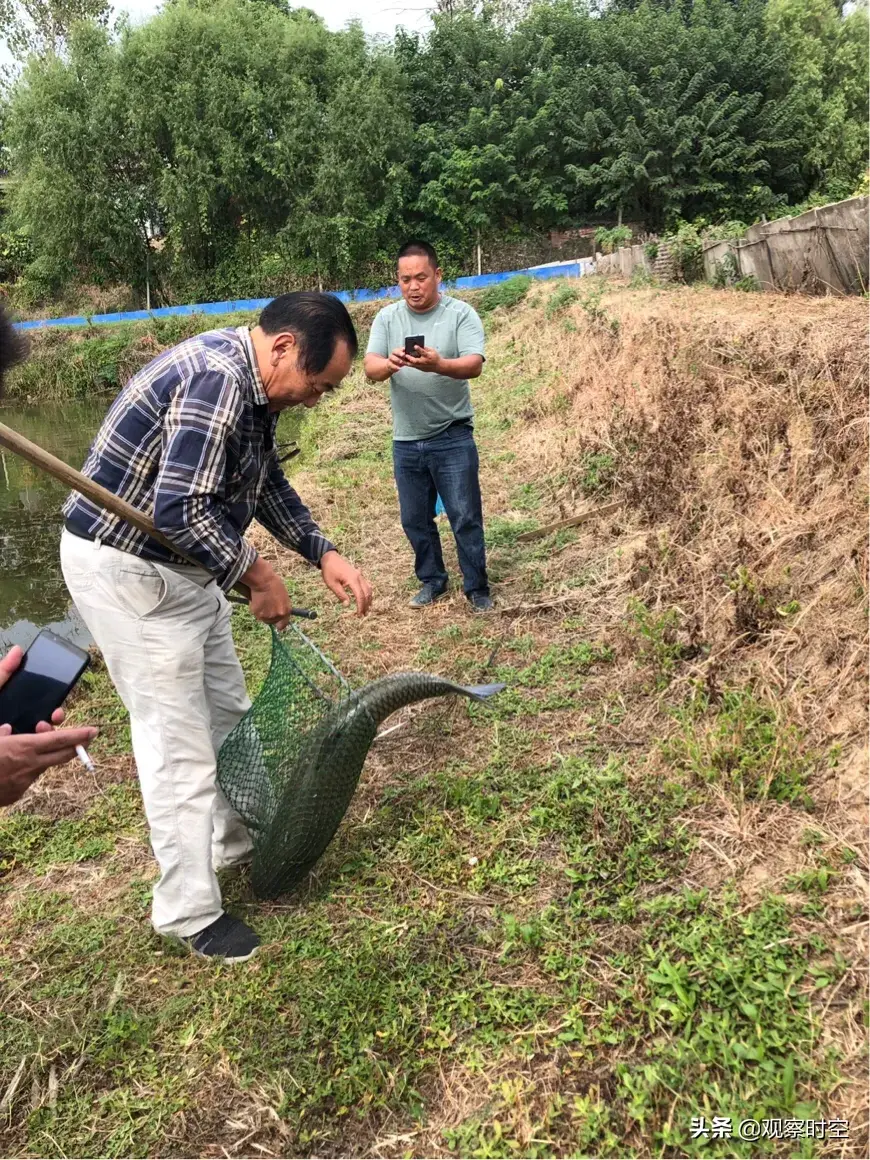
[{"x": 821, "y": 251}]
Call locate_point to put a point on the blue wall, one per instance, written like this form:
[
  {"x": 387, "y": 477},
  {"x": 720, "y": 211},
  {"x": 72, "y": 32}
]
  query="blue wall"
[{"x": 562, "y": 270}]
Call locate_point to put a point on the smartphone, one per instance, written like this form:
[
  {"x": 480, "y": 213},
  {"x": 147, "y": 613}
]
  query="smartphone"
[
  {"x": 42, "y": 682},
  {"x": 412, "y": 343}
]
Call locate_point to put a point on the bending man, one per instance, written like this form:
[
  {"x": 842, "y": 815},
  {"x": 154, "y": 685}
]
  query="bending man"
[{"x": 190, "y": 440}]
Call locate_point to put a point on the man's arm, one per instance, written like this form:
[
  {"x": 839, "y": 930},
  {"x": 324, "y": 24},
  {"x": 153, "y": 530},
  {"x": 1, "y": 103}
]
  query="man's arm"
[
  {"x": 379, "y": 369},
  {"x": 380, "y": 363},
  {"x": 283, "y": 513},
  {"x": 188, "y": 496}
]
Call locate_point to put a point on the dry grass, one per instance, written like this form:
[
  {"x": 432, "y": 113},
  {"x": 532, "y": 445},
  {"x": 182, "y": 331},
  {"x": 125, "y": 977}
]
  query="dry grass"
[{"x": 732, "y": 431}]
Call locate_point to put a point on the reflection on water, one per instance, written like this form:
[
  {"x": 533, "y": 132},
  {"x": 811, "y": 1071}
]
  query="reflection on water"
[{"x": 32, "y": 591}]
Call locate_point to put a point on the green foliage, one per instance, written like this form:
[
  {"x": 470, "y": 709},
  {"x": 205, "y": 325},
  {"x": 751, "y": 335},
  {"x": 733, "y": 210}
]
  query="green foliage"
[
  {"x": 561, "y": 298},
  {"x": 726, "y": 271},
  {"x": 40, "y": 27},
  {"x": 744, "y": 744},
  {"x": 686, "y": 250},
  {"x": 825, "y": 47},
  {"x": 656, "y": 633},
  {"x": 269, "y": 152},
  {"x": 507, "y": 294},
  {"x": 749, "y": 283},
  {"x": 597, "y": 472},
  {"x": 598, "y": 317},
  {"x": 608, "y": 240}
]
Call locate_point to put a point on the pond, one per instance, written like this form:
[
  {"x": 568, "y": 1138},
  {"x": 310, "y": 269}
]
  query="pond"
[{"x": 32, "y": 592}]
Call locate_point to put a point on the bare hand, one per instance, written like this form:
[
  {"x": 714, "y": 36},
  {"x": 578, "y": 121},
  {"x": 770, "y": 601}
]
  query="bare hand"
[
  {"x": 397, "y": 359},
  {"x": 426, "y": 359},
  {"x": 24, "y": 756},
  {"x": 270, "y": 601},
  {"x": 339, "y": 575}
]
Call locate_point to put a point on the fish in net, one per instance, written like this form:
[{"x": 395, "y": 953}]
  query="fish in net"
[{"x": 291, "y": 765}]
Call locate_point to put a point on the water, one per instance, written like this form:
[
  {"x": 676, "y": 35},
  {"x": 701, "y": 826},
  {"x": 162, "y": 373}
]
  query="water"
[{"x": 32, "y": 591}]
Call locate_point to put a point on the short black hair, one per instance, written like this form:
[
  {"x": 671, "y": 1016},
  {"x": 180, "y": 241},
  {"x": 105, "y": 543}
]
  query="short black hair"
[
  {"x": 421, "y": 248},
  {"x": 13, "y": 347},
  {"x": 319, "y": 322}
]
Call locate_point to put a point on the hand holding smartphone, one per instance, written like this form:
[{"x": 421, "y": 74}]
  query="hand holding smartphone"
[
  {"x": 42, "y": 682},
  {"x": 414, "y": 341},
  {"x": 32, "y": 688}
]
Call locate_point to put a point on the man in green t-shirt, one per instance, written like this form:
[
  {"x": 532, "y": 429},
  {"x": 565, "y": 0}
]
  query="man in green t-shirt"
[{"x": 434, "y": 452}]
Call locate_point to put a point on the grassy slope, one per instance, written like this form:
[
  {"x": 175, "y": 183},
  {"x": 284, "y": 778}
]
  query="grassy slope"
[{"x": 627, "y": 894}]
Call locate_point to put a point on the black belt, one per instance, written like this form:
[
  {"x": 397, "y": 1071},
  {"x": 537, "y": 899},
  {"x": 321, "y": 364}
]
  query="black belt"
[
  {"x": 74, "y": 531},
  {"x": 78, "y": 532}
]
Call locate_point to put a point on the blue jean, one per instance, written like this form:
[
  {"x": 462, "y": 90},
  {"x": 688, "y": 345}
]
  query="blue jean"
[{"x": 445, "y": 465}]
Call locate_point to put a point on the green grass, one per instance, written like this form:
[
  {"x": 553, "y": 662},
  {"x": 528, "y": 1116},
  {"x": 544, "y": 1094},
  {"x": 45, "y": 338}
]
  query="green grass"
[
  {"x": 583, "y": 947},
  {"x": 508, "y": 950},
  {"x": 506, "y": 294},
  {"x": 744, "y": 744}
]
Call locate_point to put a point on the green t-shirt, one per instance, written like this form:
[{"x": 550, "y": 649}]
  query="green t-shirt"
[{"x": 425, "y": 404}]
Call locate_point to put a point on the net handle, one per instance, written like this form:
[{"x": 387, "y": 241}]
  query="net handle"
[{"x": 100, "y": 496}]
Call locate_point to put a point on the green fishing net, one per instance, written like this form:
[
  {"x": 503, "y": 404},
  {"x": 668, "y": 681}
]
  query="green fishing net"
[{"x": 291, "y": 765}]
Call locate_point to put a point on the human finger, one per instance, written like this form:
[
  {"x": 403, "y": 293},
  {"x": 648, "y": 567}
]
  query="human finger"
[
  {"x": 58, "y": 740},
  {"x": 362, "y": 590},
  {"x": 10, "y": 663},
  {"x": 354, "y": 583},
  {"x": 337, "y": 586}
]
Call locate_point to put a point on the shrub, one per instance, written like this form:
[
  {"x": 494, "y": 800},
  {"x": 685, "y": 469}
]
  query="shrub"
[
  {"x": 684, "y": 246},
  {"x": 507, "y": 294},
  {"x": 609, "y": 240},
  {"x": 561, "y": 299}
]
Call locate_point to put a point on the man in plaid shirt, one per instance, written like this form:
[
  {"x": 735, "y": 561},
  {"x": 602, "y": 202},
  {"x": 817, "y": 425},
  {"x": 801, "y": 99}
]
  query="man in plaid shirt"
[{"x": 190, "y": 441}]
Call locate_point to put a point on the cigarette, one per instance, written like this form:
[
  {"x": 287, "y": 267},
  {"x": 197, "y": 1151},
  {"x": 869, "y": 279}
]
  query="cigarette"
[{"x": 84, "y": 757}]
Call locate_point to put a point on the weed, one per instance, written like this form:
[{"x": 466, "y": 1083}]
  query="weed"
[
  {"x": 561, "y": 298},
  {"x": 502, "y": 533},
  {"x": 598, "y": 472},
  {"x": 816, "y": 880},
  {"x": 726, "y": 272},
  {"x": 755, "y": 605},
  {"x": 506, "y": 294},
  {"x": 744, "y": 744},
  {"x": 598, "y": 317},
  {"x": 608, "y": 240},
  {"x": 526, "y": 498},
  {"x": 656, "y": 633},
  {"x": 749, "y": 284}
]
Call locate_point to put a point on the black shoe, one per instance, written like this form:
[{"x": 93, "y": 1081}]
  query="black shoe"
[
  {"x": 226, "y": 938},
  {"x": 428, "y": 594},
  {"x": 481, "y": 601}
]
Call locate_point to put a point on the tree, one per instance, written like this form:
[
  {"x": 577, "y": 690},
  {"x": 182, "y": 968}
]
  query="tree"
[
  {"x": 827, "y": 55},
  {"x": 81, "y": 191},
  {"x": 37, "y": 27}
]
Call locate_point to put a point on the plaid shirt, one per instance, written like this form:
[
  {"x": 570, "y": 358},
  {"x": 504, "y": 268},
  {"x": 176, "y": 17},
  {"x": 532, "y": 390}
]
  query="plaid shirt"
[{"x": 189, "y": 441}]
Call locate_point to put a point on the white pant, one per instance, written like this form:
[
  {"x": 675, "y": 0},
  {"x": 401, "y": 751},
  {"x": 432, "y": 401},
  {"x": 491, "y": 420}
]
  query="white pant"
[{"x": 164, "y": 633}]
